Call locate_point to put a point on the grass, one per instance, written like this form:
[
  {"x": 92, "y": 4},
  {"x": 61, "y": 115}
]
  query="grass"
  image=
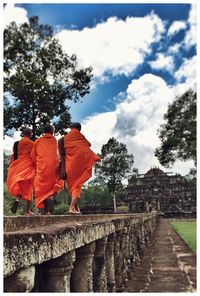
[
  {"x": 187, "y": 230},
  {"x": 122, "y": 209}
]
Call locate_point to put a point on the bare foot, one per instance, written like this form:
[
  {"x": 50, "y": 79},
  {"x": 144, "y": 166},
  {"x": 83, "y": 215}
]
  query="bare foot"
[
  {"x": 77, "y": 209},
  {"x": 74, "y": 208},
  {"x": 29, "y": 214},
  {"x": 19, "y": 196}
]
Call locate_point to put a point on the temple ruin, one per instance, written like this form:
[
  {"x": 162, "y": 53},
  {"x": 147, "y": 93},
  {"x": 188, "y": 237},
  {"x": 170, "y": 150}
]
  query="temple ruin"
[{"x": 165, "y": 192}]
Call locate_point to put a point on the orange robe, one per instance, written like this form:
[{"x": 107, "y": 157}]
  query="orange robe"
[
  {"x": 21, "y": 171},
  {"x": 45, "y": 157},
  {"x": 78, "y": 162}
]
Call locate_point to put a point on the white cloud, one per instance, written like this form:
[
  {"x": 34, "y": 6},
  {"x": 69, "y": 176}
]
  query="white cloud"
[
  {"x": 136, "y": 120},
  {"x": 176, "y": 27},
  {"x": 140, "y": 114},
  {"x": 14, "y": 14},
  {"x": 119, "y": 47},
  {"x": 116, "y": 45},
  {"x": 163, "y": 62},
  {"x": 190, "y": 37},
  {"x": 99, "y": 129},
  {"x": 174, "y": 48},
  {"x": 9, "y": 141},
  {"x": 187, "y": 72}
]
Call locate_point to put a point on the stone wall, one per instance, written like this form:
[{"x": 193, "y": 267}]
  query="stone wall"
[
  {"x": 88, "y": 253},
  {"x": 170, "y": 194}
]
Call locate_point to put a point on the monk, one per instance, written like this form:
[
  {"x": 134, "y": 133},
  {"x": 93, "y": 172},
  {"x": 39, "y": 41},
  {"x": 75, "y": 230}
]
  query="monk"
[
  {"x": 45, "y": 157},
  {"x": 78, "y": 164},
  {"x": 21, "y": 172}
]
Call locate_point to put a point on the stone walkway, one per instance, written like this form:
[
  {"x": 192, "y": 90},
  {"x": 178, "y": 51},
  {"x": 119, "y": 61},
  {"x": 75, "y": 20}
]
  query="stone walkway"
[{"x": 167, "y": 265}]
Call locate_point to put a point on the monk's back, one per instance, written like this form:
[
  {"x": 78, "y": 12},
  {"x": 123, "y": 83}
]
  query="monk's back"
[
  {"x": 24, "y": 148},
  {"x": 46, "y": 149},
  {"x": 74, "y": 142}
]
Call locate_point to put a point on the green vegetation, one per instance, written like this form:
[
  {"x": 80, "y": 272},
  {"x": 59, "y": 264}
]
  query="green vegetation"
[
  {"x": 92, "y": 197},
  {"x": 8, "y": 201},
  {"x": 115, "y": 166},
  {"x": 178, "y": 133},
  {"x": 62, "y": 202},
  {"x": 95, "y": 196},
  {"x": 187, "y": 230},
  {"x": 122, "y": 209},
  {"x": 61, "y": 206},
  {"x": 6, "y": 162},
  {"x": 40, "y": 78}
]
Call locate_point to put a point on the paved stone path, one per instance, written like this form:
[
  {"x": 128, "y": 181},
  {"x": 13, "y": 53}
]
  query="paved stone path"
[{"x": 167, "y": 265}]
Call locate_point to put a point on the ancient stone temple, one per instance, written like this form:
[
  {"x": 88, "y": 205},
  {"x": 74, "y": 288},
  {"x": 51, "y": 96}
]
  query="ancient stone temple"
[{"x": 162, "y": 191}]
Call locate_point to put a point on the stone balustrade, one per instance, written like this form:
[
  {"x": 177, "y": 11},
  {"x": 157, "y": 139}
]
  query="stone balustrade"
[{"x": 86, "y": 253}]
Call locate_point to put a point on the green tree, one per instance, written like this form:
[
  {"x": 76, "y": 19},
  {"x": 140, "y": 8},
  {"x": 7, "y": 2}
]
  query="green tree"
[
  {"x": 178, "y": 134},
  {"x": 8, "y": 201},
  {"x": 192, "y": 175},
  {"x": 96, "y": 197},
  {"x": 39, "y": 78},
  {"x": 6, "y": 162},
  {"x": 115, "y": 165},
  {"x": 62, "y": 201}
]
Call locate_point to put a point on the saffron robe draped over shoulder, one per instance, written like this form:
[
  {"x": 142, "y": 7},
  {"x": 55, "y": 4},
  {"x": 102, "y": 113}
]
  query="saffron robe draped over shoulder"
[
  {"x": 45, "y": 157},
  {"x": 78, "y": 162},
  {"x": 21, "y": 171}
]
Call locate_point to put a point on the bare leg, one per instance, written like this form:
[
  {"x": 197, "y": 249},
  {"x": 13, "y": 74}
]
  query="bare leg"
[
  {"x": 77, "y": 207},
  {"x": 74, "y": 208},
  {"x": 46, "y": 207},
  {"x": 15, "y": 204},
  {"x": 28, "y": 204},
  {"x": 18, "y": 197},
  {"x": 27, "y": 211}
]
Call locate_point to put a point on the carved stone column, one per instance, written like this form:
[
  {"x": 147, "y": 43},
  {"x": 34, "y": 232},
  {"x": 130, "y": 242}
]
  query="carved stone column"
[
  {"x": 58, "y": 273},
  {"x": 142, "y": 239},
  {"x": 117, "y": 256},
  {"x": 21, "y": 281},
  {"x": 110, "y": 263},
  {"x": 134, "y": 251},
  {"x": 131, "y": 252},
  {"x": 82, "y": 274},
  {"x": 99, "y": 266},
  {"x": 128, "y": 252},
  {"x": 125, "y": 256},
  {"x": 119, "y": 260}
]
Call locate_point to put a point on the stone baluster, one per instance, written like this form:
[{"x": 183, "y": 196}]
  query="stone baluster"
[
  {"x": 128, "y": 252},
  {"x": 110, "y": 263},
  {"x": 132, "y": 252},
  {"x": 137, "y": 251},
  {"x": 125, "y": 251},
  {"x": 117, "y": 256},
  {"x": 82, "y": 274},
  {"x": 119, "y": 259},
  {"x": 142, "y": 236},
  {"x": 57, "y": 273},
  {"x": 21, "y": 281},
  {"x": 99, "y": 266},
  {"x": 147, "y": 232}
]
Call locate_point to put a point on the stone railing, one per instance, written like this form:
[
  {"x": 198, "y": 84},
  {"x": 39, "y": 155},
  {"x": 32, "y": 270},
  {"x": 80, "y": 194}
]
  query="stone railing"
[{"x": 88, "y": 253}]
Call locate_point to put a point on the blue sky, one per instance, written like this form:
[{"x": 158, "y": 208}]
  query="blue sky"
[
  {"x": 79, "y": 16},
  {"x": 142, "y": 55}
]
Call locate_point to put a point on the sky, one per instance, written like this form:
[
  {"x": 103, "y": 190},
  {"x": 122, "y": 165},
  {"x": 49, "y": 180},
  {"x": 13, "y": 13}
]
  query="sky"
[{"x": 142, "y": 55}]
